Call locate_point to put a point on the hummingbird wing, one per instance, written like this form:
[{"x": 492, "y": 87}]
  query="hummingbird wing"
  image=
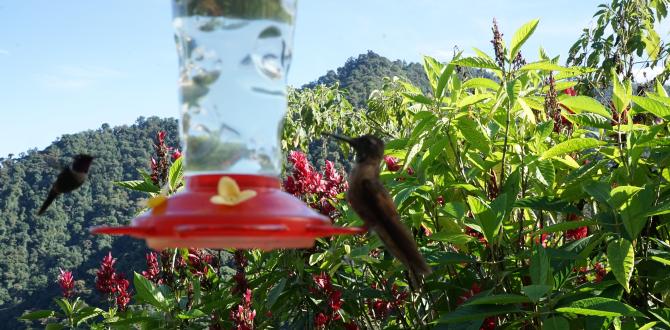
[{"x": 386, "y": 223}]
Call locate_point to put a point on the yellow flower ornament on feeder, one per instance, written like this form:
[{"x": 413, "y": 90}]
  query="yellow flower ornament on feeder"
[{"x": 229, "y": 193}]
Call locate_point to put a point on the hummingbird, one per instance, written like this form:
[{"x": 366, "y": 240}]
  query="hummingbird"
[
  {"x": 69, "y": 179},
  {"x": 372, "y": 202}
]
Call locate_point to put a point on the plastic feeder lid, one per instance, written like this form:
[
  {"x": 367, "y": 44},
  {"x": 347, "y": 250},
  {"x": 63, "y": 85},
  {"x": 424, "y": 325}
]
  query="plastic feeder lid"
[{"x": 272, "y": 219}]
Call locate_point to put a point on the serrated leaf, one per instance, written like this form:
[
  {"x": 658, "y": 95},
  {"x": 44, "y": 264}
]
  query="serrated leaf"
[
  {"x": 138, "y": 185},
  {"x": 599, "y": 306},
  {"x": 535, "y": 292},
  {"x": 147, "y": 292},
  {"x": 176, "y": 174},
  {"x": 588, "y": 119},
  {"x": 473, "y": 134},
  {"x": 477, "y": 62},
  {"x": 652, "y": 106},
  {"x": 580, "y": 104},
  {"x": 546, "y": 172},
  {"x": 556, "y": 323},
  {"x": 36, "y": 315},
  {"x": 520, "y": 37},
  {"x": 498, "y": 299},
  {"x": 621, "y": 258},
  {"x": 481, "y": 83},
  {"x": 476, "y": 312},
  {"x": 564, "y": 226},
  {"x": 570, "y": 146}
]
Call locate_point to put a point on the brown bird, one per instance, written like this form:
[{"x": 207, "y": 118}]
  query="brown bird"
[
  {"x": 69, "y": 179},
  {"x": 374, "y": 205}
]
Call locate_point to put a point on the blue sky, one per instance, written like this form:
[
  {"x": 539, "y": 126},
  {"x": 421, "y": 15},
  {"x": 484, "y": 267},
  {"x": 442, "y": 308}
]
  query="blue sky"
[{"x": 68, "y": 66}]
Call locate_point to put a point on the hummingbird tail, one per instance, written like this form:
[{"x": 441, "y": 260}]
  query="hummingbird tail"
[
  {"x": 50, "y": 198},
  {"x": 399, "y": 241}
]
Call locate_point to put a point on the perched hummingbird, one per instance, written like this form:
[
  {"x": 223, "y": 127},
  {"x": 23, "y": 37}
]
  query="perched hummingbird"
[
  {"x": 69, "y": 179},
  {"x": 374, "y": 205}
]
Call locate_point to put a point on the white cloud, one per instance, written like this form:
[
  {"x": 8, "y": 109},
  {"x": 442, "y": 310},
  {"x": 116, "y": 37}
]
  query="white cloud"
[
  {"x": 77, "y": 77},
  {"x": 646, "y": 74}
]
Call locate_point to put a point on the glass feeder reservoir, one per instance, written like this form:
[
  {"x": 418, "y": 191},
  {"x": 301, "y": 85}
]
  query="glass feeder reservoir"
[{"x": 234, "y": 56}]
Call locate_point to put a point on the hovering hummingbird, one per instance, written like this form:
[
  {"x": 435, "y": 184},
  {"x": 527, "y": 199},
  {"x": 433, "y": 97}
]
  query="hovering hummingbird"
[
  {"x": 69, "y": 179},
  {"x": 374, "y": 205}
]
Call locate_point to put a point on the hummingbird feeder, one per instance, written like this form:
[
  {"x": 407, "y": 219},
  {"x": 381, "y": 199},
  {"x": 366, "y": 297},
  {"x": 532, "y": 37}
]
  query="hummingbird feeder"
[{"x": 233, "y": 59}]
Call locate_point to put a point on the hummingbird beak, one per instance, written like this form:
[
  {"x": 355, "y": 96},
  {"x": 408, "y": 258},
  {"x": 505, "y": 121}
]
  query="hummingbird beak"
[{"x": 339, "y": 137}]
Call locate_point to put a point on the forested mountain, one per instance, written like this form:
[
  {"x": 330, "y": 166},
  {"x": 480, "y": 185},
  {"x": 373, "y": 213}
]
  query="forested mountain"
[
  {"x": 35, "y": 247},
  {"x": 360, "y": 76}
]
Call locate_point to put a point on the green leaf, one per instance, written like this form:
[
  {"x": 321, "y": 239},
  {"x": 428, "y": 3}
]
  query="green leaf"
[
  {"x": 535, "y": 291},
  {"x": 580, "y": 104},
  {"x": 445, "y": 236},
  {"x": 481, "y": 83},
  {"x": 448, "y": 258},
  {"x": 621, "y": 258},
  {"x": 588, "y": 119},
  {"x": 87, "y": 313},
  {"x": 149, "y": 293},
  {"x": 648, "y": 326},
  {"x": 652, "y": 41},
  {"x": 499, "y": 299},
  {"x": 36, "y": 315},
  {"x": 652, "y": 106},
  {"x": 54, "y": 326},
  {"x": 621, "y": 94},
  {"x": 476, "y": 312},
  {"x": 540, "y": 268},
  {"x": 472, "y": 99},
  {"x": 445, "y": 75},
  {"x": 563, "y": 226},
  {"x": 473, "y": 134},
  {"x": 599, "y": 306},
  {"x": 556, "y": 323},
  {"x": 419, "y": 98},
  {"x": 543, "y": 66},
  {"x": 570, "y": 146},
  {"x": 621, "y": 194},
  {"x": 176, "y": 174},
  {"x": 274, "y": 293},
  {"x": 192, "y": 314},
  {"x": 477, "y": 62},
  {"x": 520, "y": 37},
  {"x": 600, "y": 191},
  {"x": 138, "y": 185},
  {"x": 546, "y": 203}
]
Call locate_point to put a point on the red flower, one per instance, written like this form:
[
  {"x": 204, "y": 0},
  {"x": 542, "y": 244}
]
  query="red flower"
[
  {"x": 479, "y": 236},
  {"x": 105, "y": 280},
  {"x": 489, "y": 323},
  {"x": 122, "y": 296},
  {"x": 351, "y": 326},
  {"x": 176, "y": 154},
  {"x": 335, "y": 300},
  {"x": 323, "y": 282},
  {"x": 153, "y": 269},
  {"x": 410, "y": 171},
  {"x": 570, "y": 91},
  {"x": 243, "y": 316},
  {"x": 601, "y": 272},
  {"x": 392, "y": 163},
  {"x": 161, "y": 137},
  {"x": 66, "y": 282},
  {"x": 578, "y": 233},
  {"x": 320, "y": 320},
  {"x": 440, "y": 200},
  {"x": 380, "y": 308},
  {"x": 474, "y": 289},
  {"x": 542, "y": 240}
]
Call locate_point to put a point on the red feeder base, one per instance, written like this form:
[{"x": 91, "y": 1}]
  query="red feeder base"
[{"x": 272, "y": 219}]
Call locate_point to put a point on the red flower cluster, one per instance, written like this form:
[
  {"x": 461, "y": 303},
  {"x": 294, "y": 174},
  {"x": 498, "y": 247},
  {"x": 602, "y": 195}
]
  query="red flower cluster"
[
  {"x": 176, "y": 154},
  {"x": 392, "y": 163},
  {"x": 380, "y": 308},
  {"x": 601, "y": 272},
  {"x": 570, "y": 91},
  {"x": 111, "y": 283},
  {"x": 440, "y": 200},
  {"x": 66, "y": 283},
  {"x": 153, "y": 270},
  {"x": 489, "y": 322},
  {"x": 324, "y": 287},
  {"x": 243, "y": 316},
  {"x": 577, "y": 233},
  {"x": 319, "y": 190},
  {"x": 479, "y": 236}
]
